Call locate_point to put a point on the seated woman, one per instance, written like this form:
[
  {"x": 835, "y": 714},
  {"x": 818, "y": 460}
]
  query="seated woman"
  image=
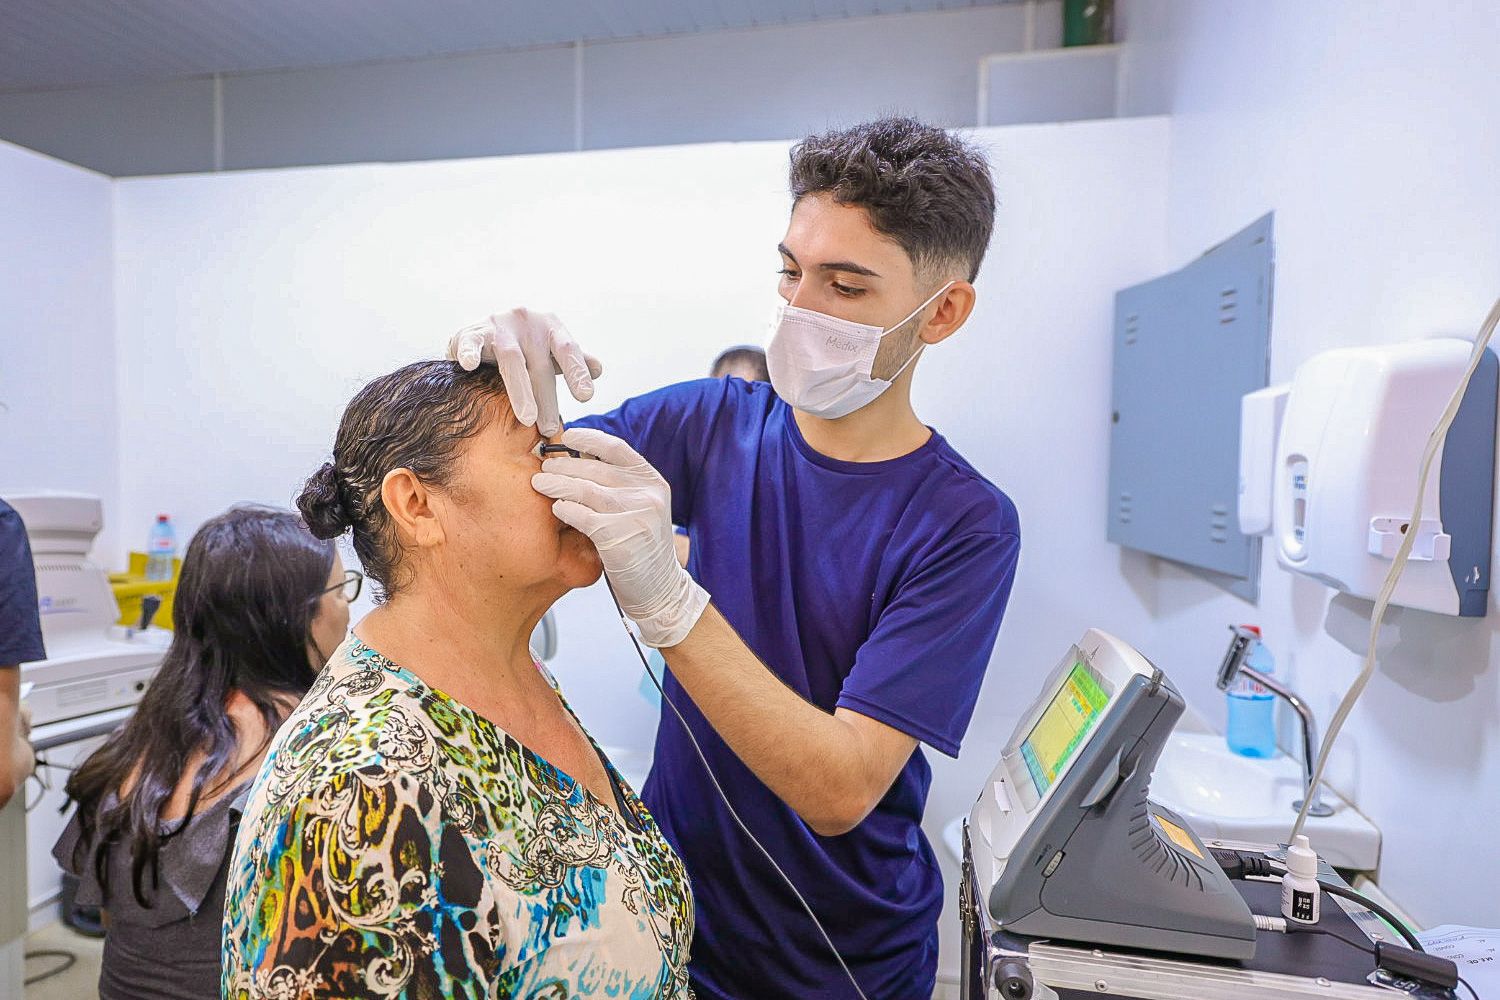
[
  {"x": 433, "y": 821},
  {"x": 259, "y": 605}
]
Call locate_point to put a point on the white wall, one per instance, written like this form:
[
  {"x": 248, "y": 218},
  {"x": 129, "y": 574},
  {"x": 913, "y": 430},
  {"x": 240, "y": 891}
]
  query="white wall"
[
  {"x": 58, "y": 417},
  {"x": 1372, "y": 131},
  {"x": 252, "y": 305}
]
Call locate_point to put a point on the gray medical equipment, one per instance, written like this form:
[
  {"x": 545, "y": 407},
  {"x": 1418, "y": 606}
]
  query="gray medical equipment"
[
  {"x": 996, "y": 965},
  {"x": 1065, "y": 842}
]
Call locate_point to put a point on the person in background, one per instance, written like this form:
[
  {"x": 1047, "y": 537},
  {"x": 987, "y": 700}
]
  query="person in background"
[
  {"x": 748, "y": 363},
  {"x": 20, "y": 642},
  {"x": 259, "y": 606},
  {"x": 433, "y": 820}
]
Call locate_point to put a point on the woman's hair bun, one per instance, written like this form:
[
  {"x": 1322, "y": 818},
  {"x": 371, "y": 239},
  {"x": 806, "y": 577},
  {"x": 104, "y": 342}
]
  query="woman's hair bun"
[{"x": 322, "y": 504}]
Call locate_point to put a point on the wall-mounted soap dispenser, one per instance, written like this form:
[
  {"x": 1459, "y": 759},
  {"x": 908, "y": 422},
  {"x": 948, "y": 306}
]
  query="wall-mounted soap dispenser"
[{"x": 1344, "y": 476}]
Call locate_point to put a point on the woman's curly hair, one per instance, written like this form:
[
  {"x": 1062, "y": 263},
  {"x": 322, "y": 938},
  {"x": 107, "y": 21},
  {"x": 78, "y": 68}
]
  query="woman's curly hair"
[{"x": 417, "y": 417}]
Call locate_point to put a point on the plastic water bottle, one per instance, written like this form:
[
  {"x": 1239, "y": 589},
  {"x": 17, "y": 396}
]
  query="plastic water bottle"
[
  {"x": 1251, "y": 730},
  {"x": 161, "y": 549}
]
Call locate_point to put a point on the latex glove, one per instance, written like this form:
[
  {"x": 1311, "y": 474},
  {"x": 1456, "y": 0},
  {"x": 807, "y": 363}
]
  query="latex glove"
[
  {"x": 625, "y": 507},
  {"x": 531, "y": 348}
]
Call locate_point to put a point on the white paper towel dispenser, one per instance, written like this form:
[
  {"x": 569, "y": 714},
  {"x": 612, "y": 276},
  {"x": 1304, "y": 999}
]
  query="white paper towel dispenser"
[{"x": 1352, "y": 435}]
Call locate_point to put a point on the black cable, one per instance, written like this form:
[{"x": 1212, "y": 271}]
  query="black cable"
[
  {"x": 43, "y": 789},
  {"x": 1334, "y": 889},
  {"x": 1430, "y": 969},
  {"x": 1296, "y": 929},
  {"x": 44, "y": 762},
  {"x": 724, "y": 796},
  {"x": 69, "y": 960},
  {"x": 43, "y": 783},
  {"x": 1241, "y": 864}
]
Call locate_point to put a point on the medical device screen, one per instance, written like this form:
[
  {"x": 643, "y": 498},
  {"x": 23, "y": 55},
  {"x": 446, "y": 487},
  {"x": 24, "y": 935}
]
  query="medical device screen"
[{"x": 1064, "y": 725}]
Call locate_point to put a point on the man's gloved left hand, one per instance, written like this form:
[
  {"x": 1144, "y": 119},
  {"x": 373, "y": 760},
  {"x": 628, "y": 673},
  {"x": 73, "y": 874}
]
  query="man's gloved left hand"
[
  {"x": 531, "y": 349},
  {"x": 625, "y": 507}
]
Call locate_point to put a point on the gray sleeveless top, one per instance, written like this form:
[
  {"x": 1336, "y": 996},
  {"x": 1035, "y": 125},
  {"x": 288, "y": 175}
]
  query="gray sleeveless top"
[{"x": 169, "y": 950}]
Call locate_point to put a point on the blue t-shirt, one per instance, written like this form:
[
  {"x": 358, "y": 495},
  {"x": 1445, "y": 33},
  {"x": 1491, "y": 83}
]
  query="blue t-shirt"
[
  {"x": 874, "y": 586},
  {"x": 20, "y": 623}
]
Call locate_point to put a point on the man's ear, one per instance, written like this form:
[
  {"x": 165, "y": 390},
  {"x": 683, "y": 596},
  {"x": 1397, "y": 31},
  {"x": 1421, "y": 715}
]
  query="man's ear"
[
  {"x": 953, "y": 310},
  {"x": 409, "y": 504}
]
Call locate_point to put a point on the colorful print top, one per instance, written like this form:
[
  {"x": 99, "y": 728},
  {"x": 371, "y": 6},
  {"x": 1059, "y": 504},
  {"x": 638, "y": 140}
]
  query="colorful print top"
[{"x": 395, "y": 844}]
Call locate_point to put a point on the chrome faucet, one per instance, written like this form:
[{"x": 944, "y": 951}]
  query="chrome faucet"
[{"x": 1234, "y": 664}]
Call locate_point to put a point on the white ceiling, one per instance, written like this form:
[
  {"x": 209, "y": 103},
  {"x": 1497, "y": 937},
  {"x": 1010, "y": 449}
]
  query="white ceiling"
[{"x": 75, "y": 43}]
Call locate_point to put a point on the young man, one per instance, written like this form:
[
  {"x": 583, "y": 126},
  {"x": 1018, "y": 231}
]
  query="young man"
[{"x": 858, "y": 568}]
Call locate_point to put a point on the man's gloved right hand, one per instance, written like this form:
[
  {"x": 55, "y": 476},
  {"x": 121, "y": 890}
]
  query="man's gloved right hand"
[
  {"x": 531, "y": 349},
  {"x": 625, "y": 507}
]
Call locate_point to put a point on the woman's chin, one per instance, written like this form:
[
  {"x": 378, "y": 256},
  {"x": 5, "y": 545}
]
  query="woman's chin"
[{"x": 579, "y": 559}]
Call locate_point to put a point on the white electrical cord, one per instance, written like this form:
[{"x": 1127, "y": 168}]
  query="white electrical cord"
[
  {"x": 727, "y": 804},
  {"x": 1398, "y": 565}
]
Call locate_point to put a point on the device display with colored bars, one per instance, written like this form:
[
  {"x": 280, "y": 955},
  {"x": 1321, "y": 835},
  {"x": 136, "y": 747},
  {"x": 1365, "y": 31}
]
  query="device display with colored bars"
[{"x": 1063, "y": 726}]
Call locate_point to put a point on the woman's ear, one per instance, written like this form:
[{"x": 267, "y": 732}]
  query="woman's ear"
[{"x": 409, "y": 504}]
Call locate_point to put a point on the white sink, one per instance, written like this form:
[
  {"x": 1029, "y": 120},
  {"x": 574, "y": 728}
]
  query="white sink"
[{"x": 1224, "y": 796}]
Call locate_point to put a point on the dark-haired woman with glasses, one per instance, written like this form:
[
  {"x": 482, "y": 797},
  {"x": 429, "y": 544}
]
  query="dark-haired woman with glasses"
[
  {"x": 260, "y": 606},
  {"x": 330, "y": 623}
]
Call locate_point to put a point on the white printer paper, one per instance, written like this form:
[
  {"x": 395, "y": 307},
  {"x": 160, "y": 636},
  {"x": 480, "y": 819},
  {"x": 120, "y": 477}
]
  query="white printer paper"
[{"x": 1476, "y": 951}]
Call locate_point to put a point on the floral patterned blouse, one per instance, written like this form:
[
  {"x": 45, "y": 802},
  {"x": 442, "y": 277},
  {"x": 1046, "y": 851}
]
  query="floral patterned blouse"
[{"x": 395, "y": 844}]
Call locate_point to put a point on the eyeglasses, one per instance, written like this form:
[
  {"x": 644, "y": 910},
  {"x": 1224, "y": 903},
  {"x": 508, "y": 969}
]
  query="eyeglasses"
[{"x": 348, "y": 589}]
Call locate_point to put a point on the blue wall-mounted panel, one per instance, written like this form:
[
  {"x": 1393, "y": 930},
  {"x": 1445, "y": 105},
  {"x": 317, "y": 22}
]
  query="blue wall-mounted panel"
[{"x": 1187, "y": 346}]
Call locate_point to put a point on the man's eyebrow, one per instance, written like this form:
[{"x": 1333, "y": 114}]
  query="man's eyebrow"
[{"x": 847, "y": 266}]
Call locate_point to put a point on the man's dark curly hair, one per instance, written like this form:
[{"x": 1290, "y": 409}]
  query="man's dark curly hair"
[{"x": 924, "y": 187}]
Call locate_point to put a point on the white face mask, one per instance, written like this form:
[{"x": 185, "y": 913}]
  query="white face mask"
[{"x": 820, "y": 364}]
